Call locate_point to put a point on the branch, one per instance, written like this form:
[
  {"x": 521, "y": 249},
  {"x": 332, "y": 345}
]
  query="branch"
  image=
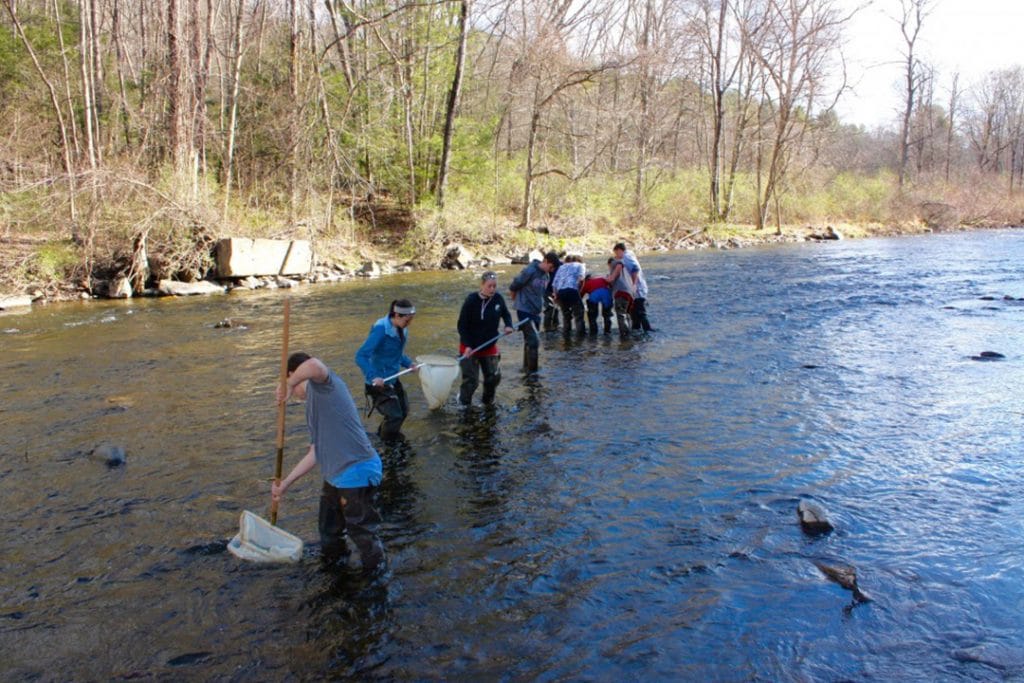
[{"x": 581, "y": 76}]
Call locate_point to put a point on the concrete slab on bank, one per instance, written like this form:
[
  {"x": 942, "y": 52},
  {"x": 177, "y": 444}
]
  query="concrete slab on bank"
[{"x": 239, "y": 257}]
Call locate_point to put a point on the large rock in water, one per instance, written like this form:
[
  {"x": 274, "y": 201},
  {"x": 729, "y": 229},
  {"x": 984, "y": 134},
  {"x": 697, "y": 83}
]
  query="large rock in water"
[
  {"x": 240, "y": 257},
  {"x": 813, "y": 518},
  {"x": 174, "y": 288}
]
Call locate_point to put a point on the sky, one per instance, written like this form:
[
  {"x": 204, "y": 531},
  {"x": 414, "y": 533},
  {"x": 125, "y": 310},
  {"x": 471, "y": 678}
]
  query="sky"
[{"x": 974, "y": 37}]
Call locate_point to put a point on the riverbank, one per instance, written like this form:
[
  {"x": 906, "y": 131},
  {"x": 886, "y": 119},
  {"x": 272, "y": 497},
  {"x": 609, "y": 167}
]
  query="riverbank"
[{"x": 343, "y": 259}]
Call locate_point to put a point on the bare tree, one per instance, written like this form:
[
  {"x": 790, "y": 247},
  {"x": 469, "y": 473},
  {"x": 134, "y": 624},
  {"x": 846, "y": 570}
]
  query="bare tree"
[
  {"x": 911, "y": 19},
  {"x": 951, "y": 121},
  {"x": 794, "y": 43},
  {"x": 551, "y": 68}
]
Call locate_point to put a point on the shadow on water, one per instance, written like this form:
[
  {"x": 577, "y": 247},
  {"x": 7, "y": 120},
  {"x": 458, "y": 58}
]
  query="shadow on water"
[{"x": 618, "y": 515}]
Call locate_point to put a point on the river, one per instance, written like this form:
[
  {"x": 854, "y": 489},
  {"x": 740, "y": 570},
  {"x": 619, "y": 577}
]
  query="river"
[{"x": 627, "y": 514}]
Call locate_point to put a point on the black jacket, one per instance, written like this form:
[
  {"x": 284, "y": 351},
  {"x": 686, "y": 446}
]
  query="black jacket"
[{"x": 479, "y": 318}]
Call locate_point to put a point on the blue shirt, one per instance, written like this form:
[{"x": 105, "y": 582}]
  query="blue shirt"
[
  {"x": 601, "y": 295},
  {"x": 363, "y": 473},
  {"x": 383, "y": 352}
]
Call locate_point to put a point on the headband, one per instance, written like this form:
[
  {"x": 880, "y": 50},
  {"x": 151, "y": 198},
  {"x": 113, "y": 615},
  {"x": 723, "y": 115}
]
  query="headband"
[{"x": 405, "y": 310}]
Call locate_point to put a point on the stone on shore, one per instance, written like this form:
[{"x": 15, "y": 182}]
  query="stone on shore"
[
  {"x": 457, "y": 257},
  {"x": 119, "y": 288},
  {"x": 174, "y": 288},
  {"x": 10, "y": 302},
  {"x": 249, "y": 282},
  {"x": 370, "y": 269}
]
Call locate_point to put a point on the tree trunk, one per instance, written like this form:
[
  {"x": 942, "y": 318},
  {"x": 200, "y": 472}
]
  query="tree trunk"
[
  {"x": 293, "y": 123},
  {"x": 85, "y": 49},
  {"x": 531, "y": 144},
  {"x": 176, "y": 140},
  {"x": 453, "y": 103},
  {"x": 953, "y": 94},
  {"x": 236, "y": 79}
]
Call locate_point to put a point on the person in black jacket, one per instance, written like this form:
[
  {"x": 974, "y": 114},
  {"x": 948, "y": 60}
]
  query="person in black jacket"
[{"x": 478, "y": 324}]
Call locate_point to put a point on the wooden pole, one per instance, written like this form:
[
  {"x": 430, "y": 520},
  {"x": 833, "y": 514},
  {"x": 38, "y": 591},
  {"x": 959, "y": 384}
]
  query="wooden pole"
[{"x": 280, "y": 410}]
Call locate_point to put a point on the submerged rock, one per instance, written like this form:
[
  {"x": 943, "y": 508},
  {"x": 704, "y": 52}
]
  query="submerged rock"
[
  {"x": 988, "y": 356},
  {"x": 230, "y": 323},
  {"x": 110, "y": 454},
  {"x": 845, "y": 576},
  {"x": 813, "y": 518},
  {"x": 189, "y": 658},
  {"x": 996, "y": 656}
]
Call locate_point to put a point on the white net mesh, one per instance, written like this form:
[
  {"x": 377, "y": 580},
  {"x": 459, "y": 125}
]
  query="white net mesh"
[
  {"x": 260, "y": 541},
  {"x": 437, "y": 375}
]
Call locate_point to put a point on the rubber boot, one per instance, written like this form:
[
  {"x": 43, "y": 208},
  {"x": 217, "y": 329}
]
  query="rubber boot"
[{"x": 531, "y": 359}]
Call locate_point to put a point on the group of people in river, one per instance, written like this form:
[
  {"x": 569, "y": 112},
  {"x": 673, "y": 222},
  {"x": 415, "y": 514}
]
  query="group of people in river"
[{"x": 349, "y": 464}]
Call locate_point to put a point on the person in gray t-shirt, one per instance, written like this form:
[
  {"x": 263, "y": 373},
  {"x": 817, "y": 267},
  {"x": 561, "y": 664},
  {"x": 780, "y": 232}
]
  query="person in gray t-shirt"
[{"x": 350, "y": 466}]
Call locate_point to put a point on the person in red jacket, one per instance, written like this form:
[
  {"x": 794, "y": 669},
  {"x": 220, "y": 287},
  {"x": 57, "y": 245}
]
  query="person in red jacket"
[{"x": 599, "y": 298}]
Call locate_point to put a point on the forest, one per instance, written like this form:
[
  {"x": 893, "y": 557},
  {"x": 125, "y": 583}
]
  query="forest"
[{"x": 137, "y": 132}]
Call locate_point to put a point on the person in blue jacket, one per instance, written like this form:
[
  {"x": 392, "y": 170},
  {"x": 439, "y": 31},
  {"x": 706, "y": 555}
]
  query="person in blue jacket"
[
  {"x": 383, "y": 355},
  {"x": 529, "y": 295}
]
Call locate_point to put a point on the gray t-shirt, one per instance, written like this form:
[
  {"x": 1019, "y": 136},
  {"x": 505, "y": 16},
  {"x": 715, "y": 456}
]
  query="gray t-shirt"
[{"x": 335, "y": 429}]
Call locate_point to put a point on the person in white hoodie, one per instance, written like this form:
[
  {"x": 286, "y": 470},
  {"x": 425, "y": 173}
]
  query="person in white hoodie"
[
  {"x": 566, "y": 284},
  {"x": 638, "y": 311}
]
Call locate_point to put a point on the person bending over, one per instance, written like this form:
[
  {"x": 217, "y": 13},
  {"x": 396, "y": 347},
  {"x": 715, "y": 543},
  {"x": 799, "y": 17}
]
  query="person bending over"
[{"x": 350, "y": 467}]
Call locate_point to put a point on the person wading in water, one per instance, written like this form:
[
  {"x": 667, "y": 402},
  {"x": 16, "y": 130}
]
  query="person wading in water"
[
  {"x": 478, "y": 323},
  {"x": 383, "y": 355},
  {"x": 529, "y": 294},
  {"x": 350, "y": 467}
]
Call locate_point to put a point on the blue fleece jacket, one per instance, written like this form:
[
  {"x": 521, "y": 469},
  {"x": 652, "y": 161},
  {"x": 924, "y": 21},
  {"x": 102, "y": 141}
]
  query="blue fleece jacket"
[{"x": 383, "y": 352}]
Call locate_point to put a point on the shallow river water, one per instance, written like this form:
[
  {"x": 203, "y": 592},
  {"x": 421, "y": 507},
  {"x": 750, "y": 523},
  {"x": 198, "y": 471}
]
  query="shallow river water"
[{"x": 627, "y": 514}]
